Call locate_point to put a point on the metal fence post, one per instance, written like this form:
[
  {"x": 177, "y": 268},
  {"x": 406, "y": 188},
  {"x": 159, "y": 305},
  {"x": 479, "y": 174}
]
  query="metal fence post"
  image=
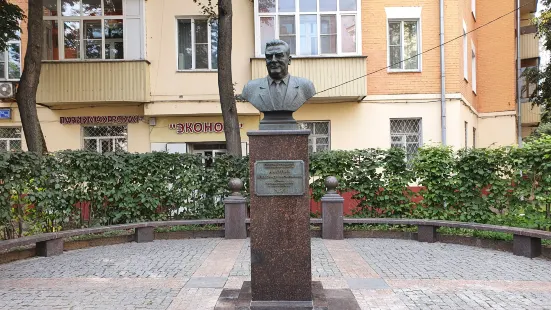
[
  {"x": 235, "y": 212},
  {"x": 332, "y": 211}
]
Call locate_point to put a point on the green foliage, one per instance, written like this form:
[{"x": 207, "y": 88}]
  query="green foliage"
[
  {"x": 47, "y": 191},
  {"x": 10, "y": 15}
]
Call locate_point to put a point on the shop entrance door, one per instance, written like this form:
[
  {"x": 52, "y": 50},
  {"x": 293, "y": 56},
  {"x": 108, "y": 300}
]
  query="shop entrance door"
[{"x": 209, "y": 152}]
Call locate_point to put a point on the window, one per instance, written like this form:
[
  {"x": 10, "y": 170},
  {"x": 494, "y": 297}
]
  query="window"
[
  {"x": 320, "y": 136},
  {"x": 197, "y": 44},
  {"x": 465, "y": 53},
  {"x": 406, "y": 134},
  {"x": 310, "y": 27},
  {"x": 10, "y": 139},
  {"x": 466, "y": 134},
  {"x": 403, "y": 45},
  {"x": 526, "y": 90},
  {"x": 85, "y": 29},
  {"x": 10, "y": 62},
  {"x": 104, "y": 139},
  {"x": 473, "y": 68}
]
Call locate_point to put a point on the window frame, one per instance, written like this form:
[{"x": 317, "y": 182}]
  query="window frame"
[
  {"x": 60, "y": 33},
  {"x": 473, "y": 67},
  {"x": 419, "y": 57},
  {"x": 465, "y": 53},
  {"x": 419, "y": 134},
  {"x": 338, "y": 13},
  {"x": 5, "y": 60},
  {"x": 209, "y": 48},
  {"x": 97, "y": 138},
  {"x": 473, "y": 8},
  {"x": 8, "y": 140},
  {"x": 313, "y": 136}
]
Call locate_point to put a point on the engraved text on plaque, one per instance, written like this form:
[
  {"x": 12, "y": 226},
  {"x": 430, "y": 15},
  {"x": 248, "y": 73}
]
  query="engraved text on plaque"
[{"x": 279, "y": 177}]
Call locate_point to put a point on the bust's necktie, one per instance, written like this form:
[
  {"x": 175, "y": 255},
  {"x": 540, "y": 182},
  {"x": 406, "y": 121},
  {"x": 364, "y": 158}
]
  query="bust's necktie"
[{"x": 278, "y": 94}]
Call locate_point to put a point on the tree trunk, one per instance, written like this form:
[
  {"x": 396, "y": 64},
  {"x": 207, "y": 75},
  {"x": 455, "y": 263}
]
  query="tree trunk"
[
  {"x": 225, "y": 81},
  {"x": 28, "y": 85}
]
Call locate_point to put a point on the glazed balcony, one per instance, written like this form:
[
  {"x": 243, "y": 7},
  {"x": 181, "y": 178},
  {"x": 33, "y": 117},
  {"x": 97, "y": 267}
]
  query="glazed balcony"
[
  {"x": 75, "y": 82},
  {"x": 326, "y": 72}
]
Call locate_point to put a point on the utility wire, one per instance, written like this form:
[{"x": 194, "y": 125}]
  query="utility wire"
[{"x": 475, "y": 29}]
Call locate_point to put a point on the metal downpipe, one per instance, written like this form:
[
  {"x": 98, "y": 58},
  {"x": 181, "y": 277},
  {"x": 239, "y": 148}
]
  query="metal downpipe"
[
  {"x": 443, "y": 76},
  {"x": 519, "y": 106}
]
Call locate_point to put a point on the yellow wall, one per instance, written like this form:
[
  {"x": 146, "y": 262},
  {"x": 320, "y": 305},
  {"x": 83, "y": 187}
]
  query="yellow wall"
[
  {"x": 169, "y": 85},
  {"x": 496, "y": 130}
]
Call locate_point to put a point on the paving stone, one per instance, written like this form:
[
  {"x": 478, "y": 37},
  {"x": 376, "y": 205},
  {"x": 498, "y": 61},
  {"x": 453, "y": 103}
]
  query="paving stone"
[
  {"x": 369, "y": 284},
  {"x": 206, "y": 282}
]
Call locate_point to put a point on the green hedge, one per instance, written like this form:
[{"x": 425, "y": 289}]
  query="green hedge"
[{"x": 508, "y": 186}]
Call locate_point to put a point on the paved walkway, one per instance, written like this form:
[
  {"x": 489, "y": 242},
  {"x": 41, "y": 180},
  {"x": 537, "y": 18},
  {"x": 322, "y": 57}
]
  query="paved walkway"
[{"x": 190, "y": 274}]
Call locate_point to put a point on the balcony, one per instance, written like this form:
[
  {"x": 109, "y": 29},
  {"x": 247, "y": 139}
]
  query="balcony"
[
  {"x": 530, "y": 116},
  {"x": 529, "y": 43},
  {"x": 74, "y": 82},
  {"x": 326, "y": 72}
]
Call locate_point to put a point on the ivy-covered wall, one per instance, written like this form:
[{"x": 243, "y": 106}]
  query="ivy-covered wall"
[{"x": 508, "y": 186}]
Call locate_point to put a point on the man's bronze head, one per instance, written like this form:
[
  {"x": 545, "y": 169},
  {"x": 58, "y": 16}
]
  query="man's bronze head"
[{"x": 278, "y": 58}]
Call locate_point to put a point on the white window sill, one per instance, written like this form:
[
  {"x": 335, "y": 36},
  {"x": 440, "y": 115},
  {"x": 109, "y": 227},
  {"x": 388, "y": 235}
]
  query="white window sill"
[
  {"x": 94, "y": 60},
  {"x": 403, "y": 71},
  {"x": 9, "y": 80},
  {"x": 198, "y": 71}
]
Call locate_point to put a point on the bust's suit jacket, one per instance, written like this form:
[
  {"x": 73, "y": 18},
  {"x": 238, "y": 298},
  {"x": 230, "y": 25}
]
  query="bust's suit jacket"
[{"x": 257, "y": 92}]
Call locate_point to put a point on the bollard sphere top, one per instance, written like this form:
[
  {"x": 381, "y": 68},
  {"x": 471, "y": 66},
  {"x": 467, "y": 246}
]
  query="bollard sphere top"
[
  {"x": 331, "y": 184},
  {"x": 235, "y": 185}
]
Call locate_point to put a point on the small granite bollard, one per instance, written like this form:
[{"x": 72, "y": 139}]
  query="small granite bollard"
[
  {"x": 235, "y": 210},
  {"x": 332, "y": 211},
  {"x": 144, "y": 234},
  {"x": 49, "y": 247}
]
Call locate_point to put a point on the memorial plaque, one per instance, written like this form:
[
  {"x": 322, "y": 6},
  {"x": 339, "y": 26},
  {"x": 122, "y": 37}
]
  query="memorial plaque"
[{"x": 279, "y": 177}]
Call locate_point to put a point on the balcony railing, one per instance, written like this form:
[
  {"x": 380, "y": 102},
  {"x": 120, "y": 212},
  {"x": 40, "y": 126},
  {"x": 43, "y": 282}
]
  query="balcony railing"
[
  {"x": 529, "y": 43},
  {"x": 64, "y": 82},
  {"x": 326, "y": 72}
]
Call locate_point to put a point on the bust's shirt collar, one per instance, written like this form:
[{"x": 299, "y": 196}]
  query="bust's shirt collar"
[{"x": 285, "y": 80}]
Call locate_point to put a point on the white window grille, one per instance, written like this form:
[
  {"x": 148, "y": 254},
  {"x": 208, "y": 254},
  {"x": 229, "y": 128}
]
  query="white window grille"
[
  {"x": 10, "y": 139},
  {"x": 85, "y": 29},
  {"x": 320, "y": 136},
  {"x": 310, "y": 27},
  {"x": 406, "y": 134},
  {"x": 197, "y": 44},
  {"x": 104, "y": 139},
  {"x": 10, "y": 62},
  {"x": 404, "y": 45}
]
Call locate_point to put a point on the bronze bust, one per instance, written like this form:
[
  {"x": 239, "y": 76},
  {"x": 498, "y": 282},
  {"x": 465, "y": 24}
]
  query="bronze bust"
[{"x": 279, "y": 94}]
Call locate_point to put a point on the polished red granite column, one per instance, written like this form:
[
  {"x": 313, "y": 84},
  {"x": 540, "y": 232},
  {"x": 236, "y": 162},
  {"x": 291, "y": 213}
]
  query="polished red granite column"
[{"x": 280, "y": 227}]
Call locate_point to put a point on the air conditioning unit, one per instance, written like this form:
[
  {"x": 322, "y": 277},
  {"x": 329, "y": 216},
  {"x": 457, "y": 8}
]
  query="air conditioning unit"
[{"x": 6, "y": 90}]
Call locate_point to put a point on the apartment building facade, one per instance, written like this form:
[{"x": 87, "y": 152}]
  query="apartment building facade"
[{"x": 141, "y": 75}]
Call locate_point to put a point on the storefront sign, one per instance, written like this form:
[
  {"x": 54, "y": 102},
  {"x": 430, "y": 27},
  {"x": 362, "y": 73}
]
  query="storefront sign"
[
  {"x": 5, "y": 113},
  {"x": 197, "y": 127},
  {"x": 101, "y": 119},
  {"x": 279, "y": 177}
]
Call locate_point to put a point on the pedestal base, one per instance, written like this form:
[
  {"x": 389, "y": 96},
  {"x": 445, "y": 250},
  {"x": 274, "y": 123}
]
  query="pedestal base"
[{"x": 323, "y": 299}]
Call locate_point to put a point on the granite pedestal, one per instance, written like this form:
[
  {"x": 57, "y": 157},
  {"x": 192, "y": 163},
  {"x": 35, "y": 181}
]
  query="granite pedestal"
[{"x": 280, "y": 221}]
